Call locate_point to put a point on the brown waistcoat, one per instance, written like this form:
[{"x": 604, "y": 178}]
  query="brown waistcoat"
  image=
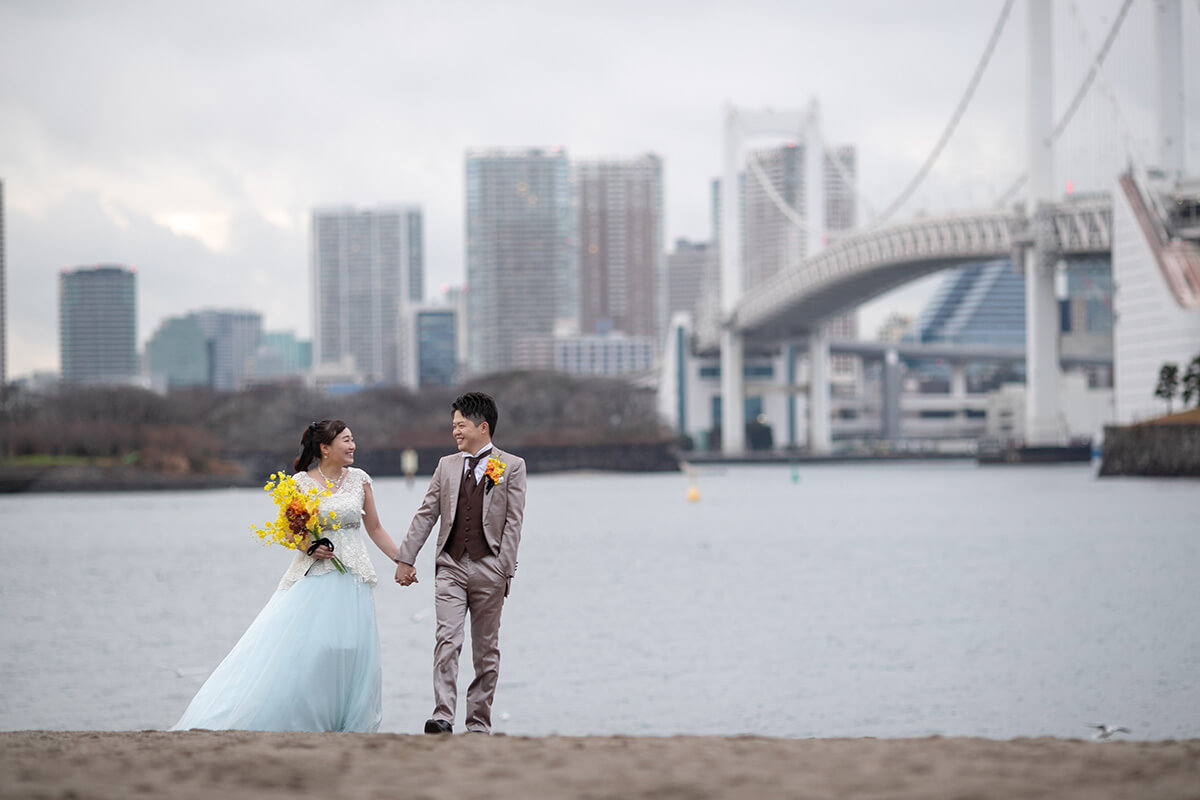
[{"x": 466, "y": 534}]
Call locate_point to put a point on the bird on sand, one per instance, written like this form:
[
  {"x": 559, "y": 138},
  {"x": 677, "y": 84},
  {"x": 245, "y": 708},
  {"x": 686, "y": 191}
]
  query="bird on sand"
[{"x": 1106, "y": 731}]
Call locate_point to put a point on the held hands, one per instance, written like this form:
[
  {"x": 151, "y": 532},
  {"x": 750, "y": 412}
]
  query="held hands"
[{"x": 405, "y": 574}]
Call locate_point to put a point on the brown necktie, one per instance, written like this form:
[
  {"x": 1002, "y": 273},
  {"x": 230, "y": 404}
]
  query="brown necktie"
[{"x": 472, "y": 462}]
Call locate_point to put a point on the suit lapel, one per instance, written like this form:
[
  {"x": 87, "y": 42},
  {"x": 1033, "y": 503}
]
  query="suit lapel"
[
  {"x": 487, "y": 493},
  {"x": 456, "y": 479}
]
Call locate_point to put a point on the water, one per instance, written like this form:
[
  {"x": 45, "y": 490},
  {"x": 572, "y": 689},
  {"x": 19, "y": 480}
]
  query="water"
[{"x": 863, "y": 600}]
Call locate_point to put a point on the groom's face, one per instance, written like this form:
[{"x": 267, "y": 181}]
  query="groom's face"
[{"x": 469, "y": 437}]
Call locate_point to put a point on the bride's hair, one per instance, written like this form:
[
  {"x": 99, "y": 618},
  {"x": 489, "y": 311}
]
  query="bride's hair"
[{"x": 315, "y": 435}]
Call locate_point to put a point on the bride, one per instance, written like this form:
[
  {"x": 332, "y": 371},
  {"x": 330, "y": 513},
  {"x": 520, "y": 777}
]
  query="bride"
[{"x": 310, "y": 660}]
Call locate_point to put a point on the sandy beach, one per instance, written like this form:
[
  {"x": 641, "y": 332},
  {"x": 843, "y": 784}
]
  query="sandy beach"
[{"x": 202, "y": 764}]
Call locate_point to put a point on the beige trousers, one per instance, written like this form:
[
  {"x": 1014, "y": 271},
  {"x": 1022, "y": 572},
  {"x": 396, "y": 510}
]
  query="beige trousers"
[{"x": 461, "y": 588}]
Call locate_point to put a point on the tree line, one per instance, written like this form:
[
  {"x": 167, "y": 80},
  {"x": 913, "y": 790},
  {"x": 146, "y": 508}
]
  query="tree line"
[
  {"x": 1188, "y": 386},
  {"x": 201, "y": 430}
]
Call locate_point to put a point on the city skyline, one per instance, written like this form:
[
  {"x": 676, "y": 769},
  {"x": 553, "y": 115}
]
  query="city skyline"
[{"x": 208, "y": 195}]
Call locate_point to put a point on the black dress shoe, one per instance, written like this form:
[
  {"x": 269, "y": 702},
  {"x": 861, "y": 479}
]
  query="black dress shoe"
[{"x": 438, "y": 726}]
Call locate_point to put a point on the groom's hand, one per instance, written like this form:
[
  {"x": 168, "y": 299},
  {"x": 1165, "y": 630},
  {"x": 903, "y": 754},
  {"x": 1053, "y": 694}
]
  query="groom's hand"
[{"x": 405, "y": 574}]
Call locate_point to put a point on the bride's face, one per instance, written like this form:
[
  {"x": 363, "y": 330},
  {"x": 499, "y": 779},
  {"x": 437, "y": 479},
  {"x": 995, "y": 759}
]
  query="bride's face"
[{"x": 340, "y": 451}]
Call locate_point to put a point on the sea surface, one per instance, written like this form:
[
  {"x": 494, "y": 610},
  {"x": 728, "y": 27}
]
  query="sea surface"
[{"x": 888, "y": 600}]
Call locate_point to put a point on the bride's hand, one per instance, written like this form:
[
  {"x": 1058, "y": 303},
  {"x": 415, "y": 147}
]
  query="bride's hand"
[{"x": 322, "y": 552}]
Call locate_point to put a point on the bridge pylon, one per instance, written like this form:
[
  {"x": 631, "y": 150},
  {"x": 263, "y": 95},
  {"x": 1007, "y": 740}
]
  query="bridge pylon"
[
  {"x": 1040, "y": 256},
  {"x": 740, "y": 124}
]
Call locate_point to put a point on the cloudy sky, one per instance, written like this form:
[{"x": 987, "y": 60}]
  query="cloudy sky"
[{"x": 191, "y": 140}]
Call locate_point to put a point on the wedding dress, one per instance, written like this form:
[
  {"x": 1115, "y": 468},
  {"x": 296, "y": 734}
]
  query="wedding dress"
[{"x": 310, "y": 660}]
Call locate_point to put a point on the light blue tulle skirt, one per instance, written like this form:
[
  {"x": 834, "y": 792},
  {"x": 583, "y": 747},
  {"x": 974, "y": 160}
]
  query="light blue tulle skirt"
[{"x": 308, "y": 662}]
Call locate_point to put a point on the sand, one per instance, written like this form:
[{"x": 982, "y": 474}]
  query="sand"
[{"x": 236, "y": 764}]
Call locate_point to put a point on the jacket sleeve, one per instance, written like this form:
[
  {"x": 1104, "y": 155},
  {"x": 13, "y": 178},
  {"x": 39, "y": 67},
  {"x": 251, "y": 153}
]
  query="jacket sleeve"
[
  {"x": 514, "y": 518},
  {"x": 424, "y": 520}
]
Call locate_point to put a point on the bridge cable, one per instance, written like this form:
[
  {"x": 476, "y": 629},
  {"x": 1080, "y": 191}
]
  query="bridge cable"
[
  {"x": 980, "y": 68},
  {"x": 773, "y": 194},
  {"x": 793, "y": 216},
  {"x": 1080, "y": 93}
]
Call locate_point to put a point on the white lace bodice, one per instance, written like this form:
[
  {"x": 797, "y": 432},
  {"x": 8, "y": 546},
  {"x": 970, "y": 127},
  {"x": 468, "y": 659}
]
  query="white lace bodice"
[{"x": 348, "y": 545}]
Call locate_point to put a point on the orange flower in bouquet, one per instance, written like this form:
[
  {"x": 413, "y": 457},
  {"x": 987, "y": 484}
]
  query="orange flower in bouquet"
[{"x": 298, "y": 525}]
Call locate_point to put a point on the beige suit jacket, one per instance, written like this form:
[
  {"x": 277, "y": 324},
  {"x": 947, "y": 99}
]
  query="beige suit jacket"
[{"x": 503, "y": 510}]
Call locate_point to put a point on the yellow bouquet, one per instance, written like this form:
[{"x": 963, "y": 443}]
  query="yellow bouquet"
[{"x": 297, "y": 526}]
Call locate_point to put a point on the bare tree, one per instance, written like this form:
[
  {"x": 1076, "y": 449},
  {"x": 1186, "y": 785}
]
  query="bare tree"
[
  {"x": 1191, "y": 383},
  {"x": 1168, "y": 384}
]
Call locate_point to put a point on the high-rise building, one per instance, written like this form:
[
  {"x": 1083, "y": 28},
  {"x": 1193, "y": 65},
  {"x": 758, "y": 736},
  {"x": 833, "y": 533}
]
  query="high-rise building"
[
  {"x": 367, "y": 266},
  {"x": 97, "y": 325},
  {"x": 279, "y": 355},
  {"x": 841, "y": 181},
  {"x": 620, "y": 245},
  {"x": 177, "y": 355},
  {"x": 692, "y": 276},
  {"x": 522, "y": 273},
  {"x": 435, "y": 346},
  {"x": 3, "y": 299},
  {"x": 233, "y": 338},
  {"x": 455, "y": 298}
]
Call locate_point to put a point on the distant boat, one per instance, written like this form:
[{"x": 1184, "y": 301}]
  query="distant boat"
[{"x": 997, "y": 452}]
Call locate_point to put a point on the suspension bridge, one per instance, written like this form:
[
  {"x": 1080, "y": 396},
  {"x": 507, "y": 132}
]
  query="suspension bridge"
[{"x": 1131, "y": 223}]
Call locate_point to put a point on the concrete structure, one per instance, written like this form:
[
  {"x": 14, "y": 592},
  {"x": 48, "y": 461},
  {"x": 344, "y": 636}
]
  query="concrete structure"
[
  {"x": 521, "y": 267},
  {"x": 368, "y": 265},
  {"x": 97, "y": 325},
  {"x": 777, "y": 392},
  {"x": 804, "y": 127},
  {"x": 620, "y": 228},
  {"x": 1041, "y": 310},
  {"x": 1083, "y": 414},
  {"x": 1170, "y": 100},
  {"x": 1157, "y": 303}
]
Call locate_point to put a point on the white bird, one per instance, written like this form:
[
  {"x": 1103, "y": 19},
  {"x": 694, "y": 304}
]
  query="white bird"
[
  {"x": 1106, "y": 731},
  {"x": 185, "y": 672}
]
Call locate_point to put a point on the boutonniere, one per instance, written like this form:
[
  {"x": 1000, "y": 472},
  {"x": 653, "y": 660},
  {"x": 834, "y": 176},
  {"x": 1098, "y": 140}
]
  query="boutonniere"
[{"x": 493, "y": 474}]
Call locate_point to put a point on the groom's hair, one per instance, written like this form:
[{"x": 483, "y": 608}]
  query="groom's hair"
[{"x": 477, "y": 407}]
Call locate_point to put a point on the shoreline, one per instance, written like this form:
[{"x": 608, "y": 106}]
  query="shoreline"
[
  {"x": 232, "y": 764},
  {"x": 95, "y": 478}
]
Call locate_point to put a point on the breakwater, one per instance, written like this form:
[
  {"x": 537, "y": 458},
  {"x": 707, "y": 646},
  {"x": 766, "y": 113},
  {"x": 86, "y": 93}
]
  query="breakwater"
[
  {"x": 1161, "y": 450},
  {"x": 251, "y": 469}
]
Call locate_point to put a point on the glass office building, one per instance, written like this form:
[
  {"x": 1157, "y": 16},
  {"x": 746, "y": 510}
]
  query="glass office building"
[
  {"x": 368, "y": 265},
  {"x": 521, "y": 267},
  {"x": 97, "y": 325}
]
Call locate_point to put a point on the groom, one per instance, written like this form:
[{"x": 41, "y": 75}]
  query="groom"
[{"x": 480, "y": 498}]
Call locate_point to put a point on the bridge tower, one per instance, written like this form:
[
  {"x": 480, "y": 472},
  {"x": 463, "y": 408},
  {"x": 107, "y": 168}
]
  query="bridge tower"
[
  {"x": 741, "y": 124},
  {"x": 1041, "y": 307},
  {"x": 1168, "y": 41}
]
